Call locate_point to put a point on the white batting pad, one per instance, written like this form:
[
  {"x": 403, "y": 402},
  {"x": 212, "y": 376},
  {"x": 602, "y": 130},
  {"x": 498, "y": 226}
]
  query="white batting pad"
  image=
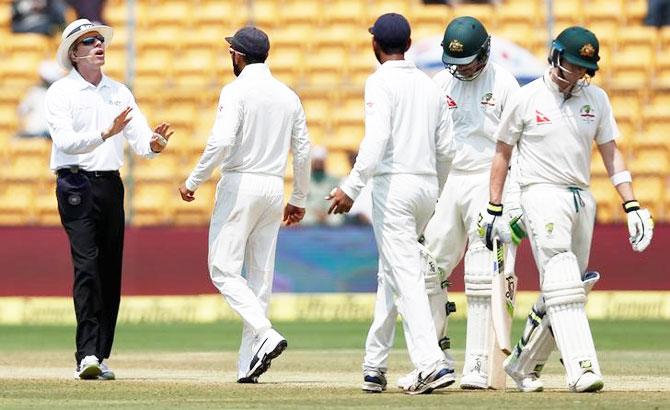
[
  {"x": 478, "y": 276},
  {"x": 564, "y": 296}
]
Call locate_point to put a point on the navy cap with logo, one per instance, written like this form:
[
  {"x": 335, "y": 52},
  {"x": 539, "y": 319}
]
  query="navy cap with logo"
[
  {"x": 391, "y": 30},
  {"x": 250, "y": 41}
]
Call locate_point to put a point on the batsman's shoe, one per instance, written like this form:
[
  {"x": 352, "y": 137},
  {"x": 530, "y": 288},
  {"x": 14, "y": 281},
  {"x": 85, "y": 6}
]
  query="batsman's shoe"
[
  {"x": 588, "y": 382},
  {"x": 529, "y": 384},
  {"x": 439, "y": 378},
  {"x": 248, "y": 380},
  {"x": 406, "y": 381},
  {"x": 374, "y": 381},
  {"x": 267, "y": 347},
  {"x": 88, "y": 369},
  {"x": 474, "y": 381},
  {"x": 106, "y": 373}
]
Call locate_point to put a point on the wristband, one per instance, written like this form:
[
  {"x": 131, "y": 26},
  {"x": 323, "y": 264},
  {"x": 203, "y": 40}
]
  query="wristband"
[
  {"x": 494, "y": 209},
  {"x": 621, "y": 177},
  {"x": 630, "y": 206}
]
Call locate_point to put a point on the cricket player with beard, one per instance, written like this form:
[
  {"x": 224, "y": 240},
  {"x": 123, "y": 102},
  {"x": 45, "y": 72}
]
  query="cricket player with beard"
[
  {"x": 553, "y": 122},
  {"x": 477, "y": 91},
  {"x": 405, "y": 154}
]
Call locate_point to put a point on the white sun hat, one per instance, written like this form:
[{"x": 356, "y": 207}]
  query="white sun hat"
[{"x": 73, "y": 32}]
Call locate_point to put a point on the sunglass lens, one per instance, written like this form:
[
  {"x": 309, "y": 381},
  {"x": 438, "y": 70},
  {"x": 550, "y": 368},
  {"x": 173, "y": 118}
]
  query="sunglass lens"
[{"x": 90, "y": 40}]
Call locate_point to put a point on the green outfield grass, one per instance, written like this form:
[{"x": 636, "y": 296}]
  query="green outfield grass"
[{"x": 193, "y": 366}]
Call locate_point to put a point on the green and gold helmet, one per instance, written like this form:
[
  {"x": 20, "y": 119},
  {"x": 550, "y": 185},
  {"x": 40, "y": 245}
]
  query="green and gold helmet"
[
  {"x": 465, "y": 40},
  {"x": 578, "y": 46}
]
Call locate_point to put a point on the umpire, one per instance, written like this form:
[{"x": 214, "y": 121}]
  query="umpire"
[{"x": 89, "y": 115}]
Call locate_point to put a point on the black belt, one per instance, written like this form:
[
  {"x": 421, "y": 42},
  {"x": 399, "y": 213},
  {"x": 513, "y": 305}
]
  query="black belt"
[{"x": 94, "y": 174}]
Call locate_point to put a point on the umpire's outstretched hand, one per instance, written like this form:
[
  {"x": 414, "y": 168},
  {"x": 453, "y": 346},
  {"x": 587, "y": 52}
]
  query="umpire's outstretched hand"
[{"x": 341, "y": 202}]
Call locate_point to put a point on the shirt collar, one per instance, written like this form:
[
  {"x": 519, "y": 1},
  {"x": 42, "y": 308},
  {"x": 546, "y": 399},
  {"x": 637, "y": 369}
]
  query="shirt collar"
[
  {"x": 398, "y": 64},
  {"x": 553, "y": 87},
  {"x": 255, "y": 70},
  {"x": 83, "y": 84}
]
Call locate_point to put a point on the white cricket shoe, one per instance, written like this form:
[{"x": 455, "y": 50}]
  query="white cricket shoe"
[
  {"x": 529, "y": 384},
  {"x": 588, "y": 382},
  {"x": 406, "y": 381},
  {"x": 441, "y": 377},
  {"x": 474, "y": 381},
  {"x": 106, "y": 373},
  {"x": 267, "y": 347},
  {"x": 89, "y": 368},
  {"x": 374, "y": 381}
]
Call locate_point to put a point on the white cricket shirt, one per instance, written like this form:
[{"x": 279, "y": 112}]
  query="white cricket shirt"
[
  {"x": 77, "y": 112},
  {"x": 475, "y": 108},
  {"x": 258, "y": 120},
  {"x": 553, "y": 134},
  {"x": 406, "y": 127}
]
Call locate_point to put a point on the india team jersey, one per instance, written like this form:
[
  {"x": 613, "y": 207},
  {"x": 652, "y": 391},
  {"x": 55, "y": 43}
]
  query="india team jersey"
[
  {"x": 553, "y": 134},
  {"x": 475, "y": 108}
]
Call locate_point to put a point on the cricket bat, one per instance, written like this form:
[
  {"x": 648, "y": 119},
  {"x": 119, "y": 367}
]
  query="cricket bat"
[{"x": 502, "y": 311}]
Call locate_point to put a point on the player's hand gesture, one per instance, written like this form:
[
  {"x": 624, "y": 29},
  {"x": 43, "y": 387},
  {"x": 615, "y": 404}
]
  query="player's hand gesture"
[
  {"x": 186, "y": 194},
  {"x": 640, "y": 225},
  {"x": 118, "y": 124},
  {"x": 491, "y": 224},
  {"x": 293, "y": 214},
  {"x": 341, "y": 203},
  {"x": 162, "y": 134}
]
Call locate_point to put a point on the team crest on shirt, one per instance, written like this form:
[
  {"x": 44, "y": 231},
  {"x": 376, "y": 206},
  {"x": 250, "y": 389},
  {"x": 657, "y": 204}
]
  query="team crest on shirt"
[
  {"x": 451, "y": 104},
  {"x": 541, "y": 119},
  {"x": 488, "y": 100},
  {"x": 549, "y": 227},
  {"x": 586, "y": 113}
]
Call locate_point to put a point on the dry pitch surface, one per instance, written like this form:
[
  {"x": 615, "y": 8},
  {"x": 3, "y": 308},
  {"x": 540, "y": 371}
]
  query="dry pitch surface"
[{"x": 302, "y": 379}]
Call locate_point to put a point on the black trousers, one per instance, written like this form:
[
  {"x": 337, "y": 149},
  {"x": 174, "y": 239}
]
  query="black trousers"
[{"x": 91, "y": 210}]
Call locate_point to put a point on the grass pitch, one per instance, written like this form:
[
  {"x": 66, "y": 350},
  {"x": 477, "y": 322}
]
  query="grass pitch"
[{"x": 193, "y": 366}]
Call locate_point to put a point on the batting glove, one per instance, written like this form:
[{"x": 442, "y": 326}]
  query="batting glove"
[
  {"x": 640, "y": 225},
  {"x": 517, "y": 230},
  {"x": 491, "y": 225}
]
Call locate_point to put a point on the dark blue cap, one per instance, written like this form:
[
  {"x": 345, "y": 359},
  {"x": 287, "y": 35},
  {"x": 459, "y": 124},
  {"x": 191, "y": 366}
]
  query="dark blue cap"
[
  {"x": 250, "y": 41},
  {"x": 391, "y": 30}
]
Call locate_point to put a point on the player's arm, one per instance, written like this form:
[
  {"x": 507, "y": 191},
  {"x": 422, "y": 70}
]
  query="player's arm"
[
  {"x": 499, "y": 169},
  {"x": 377, "y": 134},
  {"x": 226, "y": 125},
  {"x": 300, "y": 148},
  {"x": 640, "y": 223},
  {"x": 444, "y": 145}
]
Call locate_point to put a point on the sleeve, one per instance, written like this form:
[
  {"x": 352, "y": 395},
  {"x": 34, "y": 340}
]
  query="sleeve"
[
  {"x": 138, "y": 132},
  {"x": 60, "y": 119},
  {"x": 377, "y": 134},
  {"x": 511, "y": 124},
  {"x": 222, "y": 138},
  {"x": 444, "y": 147},
  {"x": 607, "y": 130},
  {"x": 300, "y": 148}
]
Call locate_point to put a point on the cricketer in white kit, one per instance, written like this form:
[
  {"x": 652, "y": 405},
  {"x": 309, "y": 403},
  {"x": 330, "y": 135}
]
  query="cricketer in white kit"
[
  {"x": 258, "y": 120},
  {"x": 553, "y": 122},
  {"x": 406, "y": 147},
  {"x": 477, "y": 92}
]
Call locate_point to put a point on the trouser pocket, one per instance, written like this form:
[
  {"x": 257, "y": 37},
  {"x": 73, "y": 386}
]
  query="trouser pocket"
[{"x": 73, "y": 192}]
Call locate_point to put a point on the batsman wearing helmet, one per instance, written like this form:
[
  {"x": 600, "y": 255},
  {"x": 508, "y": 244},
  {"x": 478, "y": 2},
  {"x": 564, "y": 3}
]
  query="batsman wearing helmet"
[
  {"x": 476, "y": 91},
  {"x": 553, "y": 122}
]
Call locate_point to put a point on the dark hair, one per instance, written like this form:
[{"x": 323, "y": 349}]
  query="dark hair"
[
  {"x": 252, "y": 59},
  {"x": 392, "y": 48}
]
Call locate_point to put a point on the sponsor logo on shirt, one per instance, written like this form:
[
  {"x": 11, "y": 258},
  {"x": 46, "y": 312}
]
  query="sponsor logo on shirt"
[
  {"x": 541, "y": 119},
  {"x": 587, "y": 113},
  {"x": 488, "y": 100},
  {"x": 451, "y": 104}
]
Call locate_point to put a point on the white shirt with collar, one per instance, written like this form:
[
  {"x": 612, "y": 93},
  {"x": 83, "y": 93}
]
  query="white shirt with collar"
[
  {"x": 476, "y": 108},
  {"x": 78, "y": 112},
  {"x": 407, "y": 130},
  {"x": 258, "y": 119},
  {"x": 554, "y": 134}
]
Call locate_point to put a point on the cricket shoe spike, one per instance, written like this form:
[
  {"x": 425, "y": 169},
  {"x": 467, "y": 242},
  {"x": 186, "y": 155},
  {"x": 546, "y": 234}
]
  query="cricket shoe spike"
[
  {"x": 441, "y": 377},
  {"x": 374, "y": 381},
  {"x": 588, "y": 382},
  {"x": 267, "y": 347}
]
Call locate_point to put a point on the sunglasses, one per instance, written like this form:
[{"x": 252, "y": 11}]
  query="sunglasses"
[{"x": 88, "y": 41}]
